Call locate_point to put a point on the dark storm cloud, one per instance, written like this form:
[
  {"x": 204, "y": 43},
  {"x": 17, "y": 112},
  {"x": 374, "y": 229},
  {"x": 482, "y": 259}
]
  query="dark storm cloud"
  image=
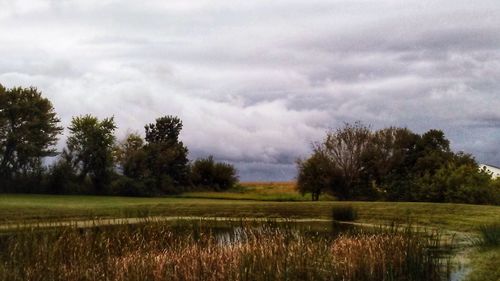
[{"x": 256, "y": 82}]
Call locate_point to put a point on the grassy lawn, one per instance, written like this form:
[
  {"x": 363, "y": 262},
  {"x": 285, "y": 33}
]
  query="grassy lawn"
[
  {"x": 485, "y": 265},
  {"x": 22, "y": 208}
]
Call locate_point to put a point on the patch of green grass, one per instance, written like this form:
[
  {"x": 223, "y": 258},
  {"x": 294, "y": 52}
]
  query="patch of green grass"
[
  {"x": 20, "y": 208},
  {"x": 485, "y": 260},
  {"x": 485, "y": 265}
]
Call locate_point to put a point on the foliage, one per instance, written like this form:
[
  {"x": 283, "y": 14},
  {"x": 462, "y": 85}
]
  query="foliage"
[
  {"x": 207, "y": 173},
  {"x": 28, "y": 130},
  {"x": 166, "y": 156},
  {"x": 61, "y": 178},
  {"x": 344, "y": 149},
  {"x": 452, "y": 183},
  {"x": 90, "y": 149},
  {"x": 131, "y": 157},
  {"x": 125, "y": 186},
  {"x": 316, "y": 175},
  {"x": 354, "y": 162}
]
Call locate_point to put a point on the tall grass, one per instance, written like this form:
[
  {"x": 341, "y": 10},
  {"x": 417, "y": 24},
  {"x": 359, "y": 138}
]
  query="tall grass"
[
  {"x": 489, "y": 236},
  {"x": 157, "y": 251}
]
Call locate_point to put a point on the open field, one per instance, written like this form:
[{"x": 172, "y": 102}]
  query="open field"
[
  {"x": 259, "y": 191},
  {"x": 19, "y": 208}
]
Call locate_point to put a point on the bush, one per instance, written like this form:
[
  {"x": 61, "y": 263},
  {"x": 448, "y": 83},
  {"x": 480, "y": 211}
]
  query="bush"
[
  {"x": 61, "y": 178},
  {"x": 207, "y": 173},
  {"x": 344, "y": 213},
  {"x": 489, "y": 236},
  {"x": 125, "y": 186}
]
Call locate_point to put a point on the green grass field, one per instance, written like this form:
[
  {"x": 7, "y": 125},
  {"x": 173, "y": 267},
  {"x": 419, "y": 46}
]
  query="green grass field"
[{"x": 20, "y": 208}]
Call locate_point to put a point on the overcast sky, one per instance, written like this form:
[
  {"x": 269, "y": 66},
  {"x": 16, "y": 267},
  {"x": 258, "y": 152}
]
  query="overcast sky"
[{"x": 255, "y": 82}]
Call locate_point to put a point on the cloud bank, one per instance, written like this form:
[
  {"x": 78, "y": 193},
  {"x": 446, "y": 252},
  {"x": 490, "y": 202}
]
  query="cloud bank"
[{"x": 256, "y": 82}]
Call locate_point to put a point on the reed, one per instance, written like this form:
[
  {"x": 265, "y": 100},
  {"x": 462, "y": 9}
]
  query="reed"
[
  {"x": 158, "y": 251},
  {"x": 489, "y": 236}
]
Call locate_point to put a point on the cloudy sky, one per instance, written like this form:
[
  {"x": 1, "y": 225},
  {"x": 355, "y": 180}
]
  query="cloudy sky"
[{"x": 255, "y": 82}]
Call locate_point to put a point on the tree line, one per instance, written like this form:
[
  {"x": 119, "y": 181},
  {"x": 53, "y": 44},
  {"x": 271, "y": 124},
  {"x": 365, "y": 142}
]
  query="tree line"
[
  {"x": 355, "y": 162},
  {"x": 93, "y": 160}
]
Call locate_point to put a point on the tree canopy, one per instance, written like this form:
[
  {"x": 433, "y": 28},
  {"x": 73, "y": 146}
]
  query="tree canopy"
[
  {"x": 90, "y": 146},
  {"x": 166, "y": 156},
  {"x": 355, "y": 162},
  {"x": 28, "y": 130},
  {"x": 207, "y": 173}
]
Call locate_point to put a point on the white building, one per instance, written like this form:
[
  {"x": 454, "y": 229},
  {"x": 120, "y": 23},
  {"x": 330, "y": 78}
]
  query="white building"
[{"x": 494, "y": 171}]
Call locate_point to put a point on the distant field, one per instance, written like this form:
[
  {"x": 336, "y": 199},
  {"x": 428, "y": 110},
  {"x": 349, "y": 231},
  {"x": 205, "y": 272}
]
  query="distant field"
[
  {"x": 20, "y": 208},
  {"x": 272, "y": 186},
  {"x": 260, "y": 191}
]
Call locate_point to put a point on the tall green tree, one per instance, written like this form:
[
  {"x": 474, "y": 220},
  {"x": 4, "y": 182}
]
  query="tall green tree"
[
  {"x": 90, "y": 146},
  {"x": 432, "y": 152},
  {"x": 130, "y": 156},
  {"x": 317, "y": 174},
  {"x": 166, "y": 155},
  {"x": 388, "y": 161},
  {"x": 28, "y": 130}
]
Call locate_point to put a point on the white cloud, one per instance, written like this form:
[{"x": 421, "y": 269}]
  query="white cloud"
[{"x": 255, "y": 82}]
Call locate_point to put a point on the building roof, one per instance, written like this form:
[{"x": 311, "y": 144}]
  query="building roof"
[{"x": 489, "y": 165}]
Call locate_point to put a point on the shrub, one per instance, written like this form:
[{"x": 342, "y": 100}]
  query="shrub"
[
  {"x": 489, "y": 236},
  {"x": 207, "y": 173},
  {"x": 61, "y": 177},
  {"x": 344, "y": 213},
  {"x": 125, "y": 186}
]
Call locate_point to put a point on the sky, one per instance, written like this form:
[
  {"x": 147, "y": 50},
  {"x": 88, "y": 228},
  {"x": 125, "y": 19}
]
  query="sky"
[{"x": 256, "y": 82}]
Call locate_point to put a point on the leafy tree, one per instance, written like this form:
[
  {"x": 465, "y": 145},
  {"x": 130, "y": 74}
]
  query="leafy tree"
[
  {"x": 28, "y": 130},
  {"x": 317, "y": 174},
  {"x": 61, "y": 177},
  {"x": 345, "y": 148},
  {"x": 131, "y": 156},
  {"x": 387, "y": 151},
  {"x": 389, "y": 160},
  {"x": 495, "y": 190},
  {"x": 166, "y": 156},
  {"x": 354, "y": 162},
  {"x": 90, "y": 146},
  {"x": 205, "y": 172},
  {"x": 456, "y": 183},
  {"x": 432, "y": 152}
]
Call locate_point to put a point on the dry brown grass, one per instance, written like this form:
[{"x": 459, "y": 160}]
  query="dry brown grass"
[
  {"x": 156, "y": 252},
  {"x": 271, "y": 187}
]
